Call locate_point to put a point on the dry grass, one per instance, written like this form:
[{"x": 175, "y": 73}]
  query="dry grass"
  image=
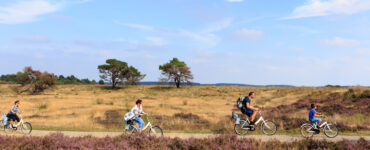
[{"x": 98, "y": 107}]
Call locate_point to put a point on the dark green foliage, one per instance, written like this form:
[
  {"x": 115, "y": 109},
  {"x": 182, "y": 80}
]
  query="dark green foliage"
[
  {"x": 9, "y": 78},
  {"x": 116, "y": 71},
  {"x": 101, "y": 82},
  {"x": 73, "y": 80},
  {"x": 176, "y": 71},
  {"x": 22, "y": 78},
  {"x": 133, "y": 76}
]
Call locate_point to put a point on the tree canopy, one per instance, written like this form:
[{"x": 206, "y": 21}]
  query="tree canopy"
[
  {"x": 116, "y": 71},
  {"x": 176, "y": 71}
]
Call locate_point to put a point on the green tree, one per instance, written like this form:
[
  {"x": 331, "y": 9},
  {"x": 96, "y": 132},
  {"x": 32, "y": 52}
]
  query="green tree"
[
  {"x": 112, "y": 71},
  {"x": 176, "y": 71},
  {"x": 101, "y": 82},
  {"x": 132, "y": 76}
]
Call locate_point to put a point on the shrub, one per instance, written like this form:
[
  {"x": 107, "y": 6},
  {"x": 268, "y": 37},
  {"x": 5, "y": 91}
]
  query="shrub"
[
  {"x": 37, "y": 80},
  {"x": 140, "y": 141}
]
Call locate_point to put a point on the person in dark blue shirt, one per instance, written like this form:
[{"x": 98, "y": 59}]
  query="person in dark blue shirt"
[
  {"x": 249, "y": 110},
  {"x": 312, "y": 115}
]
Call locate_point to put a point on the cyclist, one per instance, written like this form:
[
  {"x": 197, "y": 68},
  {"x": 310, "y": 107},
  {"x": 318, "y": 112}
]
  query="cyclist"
[
  {"x": 12, "y": 115},
  {"x": 138, "y": 111},
  {"x": 312, "y": 116},
  {"x": 249, "y": 110}
]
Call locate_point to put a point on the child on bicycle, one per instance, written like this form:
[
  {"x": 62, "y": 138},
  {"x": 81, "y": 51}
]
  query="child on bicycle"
[
  {"x": 12, "y": 114},
  {"x": 312, "y": 116},
  {"x": 138, "y": 111}
]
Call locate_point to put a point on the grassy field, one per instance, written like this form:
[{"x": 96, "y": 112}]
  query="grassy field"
[{"x": 188, "y": 109}]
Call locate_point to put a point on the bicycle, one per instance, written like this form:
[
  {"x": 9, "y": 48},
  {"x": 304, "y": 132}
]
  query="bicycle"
[
  {"x": 26, "y": 127},
  {"x": 153, "y": 130},
  {"x": 242, "y": 127},
  {"x": 2, "y": 123},
  {"x": 308, "y": 130}
]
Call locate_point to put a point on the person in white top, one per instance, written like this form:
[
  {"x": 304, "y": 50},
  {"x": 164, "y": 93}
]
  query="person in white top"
[{"x": 138, "y": 111}]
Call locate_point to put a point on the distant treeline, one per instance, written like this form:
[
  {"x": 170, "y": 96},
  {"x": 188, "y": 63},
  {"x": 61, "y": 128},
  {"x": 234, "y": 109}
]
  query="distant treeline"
[{"x": 12, "y": 78}]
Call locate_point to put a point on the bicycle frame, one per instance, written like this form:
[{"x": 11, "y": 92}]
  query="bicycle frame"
[
  {"x": 259, "y": 119},
  {"x": 147, "y": 125},
  {"x": 20, "y": 121}
]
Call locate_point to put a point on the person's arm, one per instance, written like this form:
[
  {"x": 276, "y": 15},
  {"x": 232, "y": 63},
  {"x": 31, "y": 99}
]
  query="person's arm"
[
  {"x": 142, "y": 112},
  {"x": 317, "y": 114},
  {"x": 12, "y": 110},
  {"x": 251, "y": 107},
  {"x": 135, "y": 111}
]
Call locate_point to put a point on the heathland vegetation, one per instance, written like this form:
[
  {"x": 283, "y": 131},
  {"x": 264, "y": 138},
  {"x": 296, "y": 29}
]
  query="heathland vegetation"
[
  {"x": 187, "y": 109},
  {"x": 142, "y": 142},
  {"x": 69, "y": 103}
]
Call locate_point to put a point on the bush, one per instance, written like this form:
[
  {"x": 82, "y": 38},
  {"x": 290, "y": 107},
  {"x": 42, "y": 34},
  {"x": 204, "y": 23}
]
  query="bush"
[{"x": 37, "y": 81}]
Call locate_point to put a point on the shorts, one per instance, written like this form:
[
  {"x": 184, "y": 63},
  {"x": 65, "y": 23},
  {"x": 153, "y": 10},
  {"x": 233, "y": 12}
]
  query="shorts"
[
  {"x": 13, "y": 117},
  {"x": 316, "y": 120},
  {"x": 247, "y": 112}
]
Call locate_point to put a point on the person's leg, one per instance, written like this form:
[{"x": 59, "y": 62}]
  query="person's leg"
[
  {"x": 11, "y": 119},
  {"x": 318, "y": 123},
  {"x": 315, "y": 120},
  {"x": 140, "y": 121},
  {"x": 253, "y": 116},
  {"x": 16, "y": 118}
]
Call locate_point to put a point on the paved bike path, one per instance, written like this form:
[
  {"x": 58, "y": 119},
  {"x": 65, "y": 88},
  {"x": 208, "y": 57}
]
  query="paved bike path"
[{"x": 282, "y": 138}]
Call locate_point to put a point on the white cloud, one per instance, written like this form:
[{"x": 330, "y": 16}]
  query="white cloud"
[
  {"x": 26, "y": 11},
  {"x": 208, "y": 38},
  {"x": 329, "y": 7},
  {"x": 157, "y": 41},
  {"x": 338, "y": 41},
  {"x": 235, "y": 0},
  {"x": 246, "y": 34},
  {"x": 363, "y": 51},
  {"x": 217, "y": 26},
  {"x": 33, "y": 39},
  {"x": 141, "y": 27},
  {"x": 135, "y": 42}
]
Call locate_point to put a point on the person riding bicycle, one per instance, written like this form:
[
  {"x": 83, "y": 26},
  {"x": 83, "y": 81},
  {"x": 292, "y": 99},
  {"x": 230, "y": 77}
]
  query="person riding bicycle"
[
  {"x": 138, "y": 111},
  {"x": 12, "y": 115},
  {"x": 249, "y": 110},
  {"x": 312, "y": 116}
]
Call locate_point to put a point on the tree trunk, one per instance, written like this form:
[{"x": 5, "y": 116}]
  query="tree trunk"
[
  {"x": 113, "y": 82},
  {"x": 177, "y": 83}
]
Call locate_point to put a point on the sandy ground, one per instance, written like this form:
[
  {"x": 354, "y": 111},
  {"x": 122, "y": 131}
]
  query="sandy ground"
[{"x": 282, "y": 138}]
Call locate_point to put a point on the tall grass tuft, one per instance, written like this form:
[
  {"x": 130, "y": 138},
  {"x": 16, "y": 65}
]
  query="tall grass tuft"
[{"x": 42, "y": 107}]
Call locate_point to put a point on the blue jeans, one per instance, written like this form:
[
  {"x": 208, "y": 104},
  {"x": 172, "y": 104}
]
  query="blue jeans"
[
  {"x": 140, "y": 121},
  {"x": 315, "y": 120}
]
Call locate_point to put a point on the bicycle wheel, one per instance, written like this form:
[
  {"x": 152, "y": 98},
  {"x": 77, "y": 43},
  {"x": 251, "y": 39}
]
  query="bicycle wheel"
[
  {"x": 131, "y": 129},
  {"x": 268, "y": 127},
  {"x": 1, "y": 124},
  {"x": 241, "y": 129},
  {"x": 26, "y": 128},
  {"x": 307, "y": 130},
  {"x": 331, "y": 130},
  {"x": 8, "y": 128},
  {"x": 156, "y": 131}
]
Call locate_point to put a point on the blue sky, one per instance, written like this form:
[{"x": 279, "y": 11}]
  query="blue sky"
[{"x": 301, "y": 42}]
